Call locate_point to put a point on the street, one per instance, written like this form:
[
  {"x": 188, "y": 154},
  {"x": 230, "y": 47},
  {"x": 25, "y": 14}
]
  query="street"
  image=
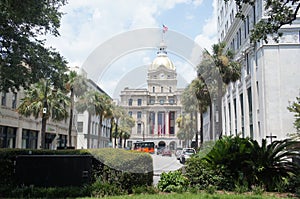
[{"x": 164, "y": 164}]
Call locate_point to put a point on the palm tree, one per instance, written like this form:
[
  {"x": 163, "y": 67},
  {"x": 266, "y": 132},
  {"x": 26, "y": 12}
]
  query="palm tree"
[
  {"x": 117, "y": 112},
  {"x": 87, "y": 102},
  {"x": 228, "y": 70},
  {"x": 199, "y": 87},
  {"x": 96, "y": 104},
  {"x": 42, "y": 101},
  {"x": 126, "y": 124},
  {"x": 76, "y": 85},
  {"x": 103, "y": 110}
]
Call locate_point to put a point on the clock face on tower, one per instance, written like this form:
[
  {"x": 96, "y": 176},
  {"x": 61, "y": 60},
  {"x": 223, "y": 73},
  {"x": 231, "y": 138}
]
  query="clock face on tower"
[{"x": 162, "y": 76}]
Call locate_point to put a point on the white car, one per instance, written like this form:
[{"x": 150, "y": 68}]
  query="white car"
[{"x": 186, "y": 154}]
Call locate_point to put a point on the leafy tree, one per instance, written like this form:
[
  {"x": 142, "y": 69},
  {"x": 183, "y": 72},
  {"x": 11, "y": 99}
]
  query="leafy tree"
[
  {"x": 76, "y": 85},
  {"x": 279, "y": 13},
  {"x": 186, "y": 128},
  {"x": 24, "y": 59},
  {"x": 40, "y": 96},
  {"x": 295, "y": 108}
]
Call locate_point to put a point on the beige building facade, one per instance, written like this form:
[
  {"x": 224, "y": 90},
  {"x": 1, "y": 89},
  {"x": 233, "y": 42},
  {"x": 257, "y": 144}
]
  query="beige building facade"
[{"x": 156, "y": 107}]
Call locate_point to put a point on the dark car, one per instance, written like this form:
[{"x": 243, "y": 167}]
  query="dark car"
[{"x": 166, "y": 152}]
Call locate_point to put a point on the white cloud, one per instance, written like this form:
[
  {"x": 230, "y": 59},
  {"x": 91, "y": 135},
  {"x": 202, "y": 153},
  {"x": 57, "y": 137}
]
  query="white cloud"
[{"x": 208, "y": 37}]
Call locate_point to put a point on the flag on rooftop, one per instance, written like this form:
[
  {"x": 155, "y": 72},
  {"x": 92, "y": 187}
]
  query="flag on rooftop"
[{"x": 165, "y": 28}]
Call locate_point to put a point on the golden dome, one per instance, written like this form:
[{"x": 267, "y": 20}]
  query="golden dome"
[{"x": 162, "y": 59}]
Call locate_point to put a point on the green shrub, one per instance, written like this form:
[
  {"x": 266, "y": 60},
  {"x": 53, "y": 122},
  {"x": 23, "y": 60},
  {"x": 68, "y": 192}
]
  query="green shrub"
[
  {"x": 102, "y": 188},
  {"x": 258, "y": 190},
  {"x": 105, "y": 165},
  {"x": 201, "y": 175},
  {"x": 172, "y": 181}
]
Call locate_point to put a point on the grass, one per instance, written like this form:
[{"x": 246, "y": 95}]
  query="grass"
[{"x": 194, "y": 196}]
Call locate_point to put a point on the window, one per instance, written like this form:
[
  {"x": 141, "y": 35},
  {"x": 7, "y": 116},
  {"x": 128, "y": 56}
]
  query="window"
[
  {"x": 161, "y": 89},
  {"x": 130, "y": 113},
  {"x": 249, "y": 94},
  {"x": 3, "y": 99},
  {"x": 153, "y": 89},
  {"x": 139, "y": 114},
  {"x": 171, "y": 101},
  {"x": 139, "y": 128},
  {"x": 139, "y": 102},
  {"x": 80, "y": 127},
  {"x": 247, "y": 64},
  {"x": 170, "y": 89},
  {"x": 152, "y": 101},
  {"x": 29, "y": 139},
  {"x": 248, "y": 25},
  {"x": 14, "y": 100},
  {"x": 161, "y": 101},
  {"x": 240, "y": 36},
  {"x": 242, "y": 113},
  {"x": 130, "y": 102}
]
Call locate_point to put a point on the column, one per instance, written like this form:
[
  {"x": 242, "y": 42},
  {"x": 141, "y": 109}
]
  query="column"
[{"x": 167, "y": 129}]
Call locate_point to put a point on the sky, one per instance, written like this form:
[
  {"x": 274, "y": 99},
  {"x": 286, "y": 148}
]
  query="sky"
[{"x": 116, "y": 41}]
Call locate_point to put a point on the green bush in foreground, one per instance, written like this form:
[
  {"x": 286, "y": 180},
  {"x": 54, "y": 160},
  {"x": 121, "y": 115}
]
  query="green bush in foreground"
[{"x": 173, "y": 181}]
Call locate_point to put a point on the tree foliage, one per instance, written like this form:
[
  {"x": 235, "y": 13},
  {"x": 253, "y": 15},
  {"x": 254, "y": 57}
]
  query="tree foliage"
[
  {"x": 279, "y": 13},
  {"x": 223, "y": 58},
  {"x": 24, "y": 59},
  {"x": 295, "y": 108}
]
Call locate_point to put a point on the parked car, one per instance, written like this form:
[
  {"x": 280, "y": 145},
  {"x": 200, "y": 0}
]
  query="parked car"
[
  {"x": 178, "y": 152},
  {"x": 166, "y": 152},
  {"x": 186, "y": 154},
  {"x": 159, "y": 150}
]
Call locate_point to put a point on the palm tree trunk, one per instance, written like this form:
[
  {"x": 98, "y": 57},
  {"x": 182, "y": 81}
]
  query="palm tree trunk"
[
  {"x": 110, "y": 130},
  {"x": 201, "y": 129},
  {"x": 211, "y": 121},
  {"x": 43, "y": 131},
  {"x": 219, "y": 104},
  {"x": 196, "y": 139},
  {"x": 124, "y": 146},
  {"x": 116, "y": 133},
  {"x": 71, "y": 118},
  {"x": 89, "y": 133},
  {"x": 120, "y": 142},
  {"x": 100, "y": 130}
]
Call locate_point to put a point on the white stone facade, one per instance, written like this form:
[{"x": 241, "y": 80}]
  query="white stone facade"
[{"x": 256, "y": 105}]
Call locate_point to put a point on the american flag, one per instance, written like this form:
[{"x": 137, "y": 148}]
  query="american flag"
[{"x": 165, "y": 28}]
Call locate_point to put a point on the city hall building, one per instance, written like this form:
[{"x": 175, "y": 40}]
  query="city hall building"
[{"x": 156, "y": 107}]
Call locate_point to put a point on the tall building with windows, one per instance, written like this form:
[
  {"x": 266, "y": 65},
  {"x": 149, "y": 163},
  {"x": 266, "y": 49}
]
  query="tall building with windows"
[
  {"x": 17, "y": 131},
  {"x": 256, "y": 105},
  {"x": 156, "y": 107}
]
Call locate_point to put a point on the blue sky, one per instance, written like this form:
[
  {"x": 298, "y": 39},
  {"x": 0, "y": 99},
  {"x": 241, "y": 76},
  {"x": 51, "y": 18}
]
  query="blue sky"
[{"x": 88, "y": 24}]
